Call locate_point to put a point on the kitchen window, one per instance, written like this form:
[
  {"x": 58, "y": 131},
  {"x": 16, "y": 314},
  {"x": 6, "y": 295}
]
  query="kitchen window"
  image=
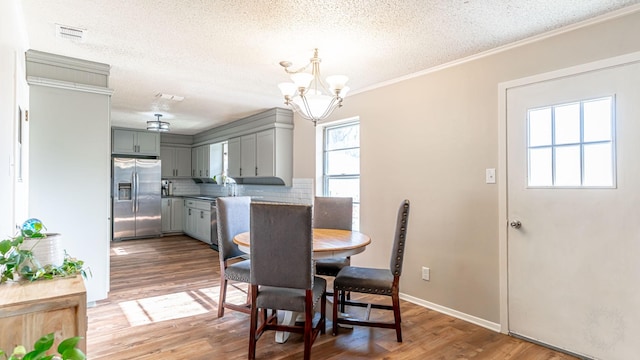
[{"x": 341, "y": 164}]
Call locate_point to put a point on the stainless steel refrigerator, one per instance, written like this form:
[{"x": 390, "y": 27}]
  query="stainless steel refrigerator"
[{"x": 136, "y": 198}]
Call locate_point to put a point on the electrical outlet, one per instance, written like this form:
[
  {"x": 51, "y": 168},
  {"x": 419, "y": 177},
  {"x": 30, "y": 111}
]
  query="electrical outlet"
[{"x": 425, "y": 273}]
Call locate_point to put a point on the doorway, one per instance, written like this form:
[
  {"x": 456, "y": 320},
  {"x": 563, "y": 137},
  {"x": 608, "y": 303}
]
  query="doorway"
[{"x": 570, "y": 248}]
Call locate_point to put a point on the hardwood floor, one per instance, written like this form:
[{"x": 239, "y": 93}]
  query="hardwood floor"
[{"x": 163, "y": 305}]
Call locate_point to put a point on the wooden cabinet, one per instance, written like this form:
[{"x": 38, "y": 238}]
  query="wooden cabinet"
[
  {"x": 176, "y": 161},
  {"x": 135, "y": 142},
  {"x": 172, "y": 215},
  {"x": 29, "y": 310},
  {"x": 197, "y": 219},
  {"x": 264, "y": 154}
]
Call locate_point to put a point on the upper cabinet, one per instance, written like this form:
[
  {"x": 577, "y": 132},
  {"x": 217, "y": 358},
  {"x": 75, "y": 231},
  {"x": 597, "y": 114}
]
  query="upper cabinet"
[
  {"x": 135, "y": 142},
  {"x": 264, "y": 154},
  {"x": 176, "y": 161},
  {"x": 207, "y": 161},
  {"x": 200, "y": 167},
  {"x": 259, "y": 148}
]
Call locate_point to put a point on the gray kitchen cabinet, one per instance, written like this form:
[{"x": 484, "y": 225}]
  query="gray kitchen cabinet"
[
  {"x": 135, "y": 142},
  {"x": 172, "y": 215},
  {"x": 233, "y": 157},
  {"x": 207, "y": 160},
  {"x": 267, "y": 153},
  {"x": 176, "y": 161},
  {"x": 242, "y": 156},
  {"x": 216, "y": 159},
  {"x": 200, "y": 157},
  {"x": 197, "y": 219},
  {"x": 248, "y": 155}
]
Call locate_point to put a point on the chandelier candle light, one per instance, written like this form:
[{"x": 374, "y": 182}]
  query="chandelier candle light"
[
  {"x": 157, "y": 125},
  {"x": 308, "y": 95}
]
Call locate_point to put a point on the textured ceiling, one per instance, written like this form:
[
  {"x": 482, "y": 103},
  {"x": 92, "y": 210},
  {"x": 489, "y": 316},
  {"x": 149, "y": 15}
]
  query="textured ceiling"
[{"x": 222, "y": 55}]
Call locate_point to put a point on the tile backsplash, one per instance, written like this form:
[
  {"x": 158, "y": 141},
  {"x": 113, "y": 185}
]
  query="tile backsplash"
[{"x": 301, "y": 191}]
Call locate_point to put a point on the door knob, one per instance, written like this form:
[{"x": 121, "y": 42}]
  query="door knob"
[{"x": 516, "y": 224}]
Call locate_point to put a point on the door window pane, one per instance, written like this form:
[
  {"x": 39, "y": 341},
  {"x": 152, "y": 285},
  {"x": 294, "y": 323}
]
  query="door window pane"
[
  {"x": 567, "y": 166},
  {"x": 540, "y": 167},
  {"x": 540, "y": 127},
  {"x": 572, "y": 145},
  {"x": 598, "y": 165},
  {"x": 567, "y": 124},
  {"x": 597, "y": 120}
]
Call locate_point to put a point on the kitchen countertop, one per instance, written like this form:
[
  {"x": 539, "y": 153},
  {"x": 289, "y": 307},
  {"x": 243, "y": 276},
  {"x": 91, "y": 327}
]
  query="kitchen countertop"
[{"x": 199, "y": 197}]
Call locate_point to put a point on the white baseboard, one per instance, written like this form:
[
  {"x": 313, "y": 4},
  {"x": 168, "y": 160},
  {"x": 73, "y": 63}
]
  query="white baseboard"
[{"x": 455, "y": 313}]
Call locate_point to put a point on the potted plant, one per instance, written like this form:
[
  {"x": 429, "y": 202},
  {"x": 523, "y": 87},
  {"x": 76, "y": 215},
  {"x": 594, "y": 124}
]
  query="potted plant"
[
  {"x": 67, "y": 350},
  {"x": 17, "y": 260}
]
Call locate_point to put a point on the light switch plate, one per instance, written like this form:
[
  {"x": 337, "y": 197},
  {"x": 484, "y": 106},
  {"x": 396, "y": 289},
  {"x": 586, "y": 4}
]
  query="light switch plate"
[{"x": 490, "y": 176}]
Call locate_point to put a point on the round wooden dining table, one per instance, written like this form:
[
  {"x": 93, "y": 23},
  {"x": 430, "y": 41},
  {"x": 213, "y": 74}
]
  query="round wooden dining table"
[{"x": 327, "y": 243}]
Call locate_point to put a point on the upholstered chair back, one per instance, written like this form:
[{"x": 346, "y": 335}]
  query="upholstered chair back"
[
  {"x": 397, "y": 254},
  {"x": 333, "y": 213},
  {"x": 233, "y": 218},
  {"x": 281, "y": 245}
]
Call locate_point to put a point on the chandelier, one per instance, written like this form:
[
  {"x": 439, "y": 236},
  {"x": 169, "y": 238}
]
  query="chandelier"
[
  {"x": 157, "y": 125},
  {"x": 308, "y": 95}
]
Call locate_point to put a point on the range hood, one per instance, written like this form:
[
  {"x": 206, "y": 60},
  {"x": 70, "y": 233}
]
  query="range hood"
[{"x": 261, "y": 180}]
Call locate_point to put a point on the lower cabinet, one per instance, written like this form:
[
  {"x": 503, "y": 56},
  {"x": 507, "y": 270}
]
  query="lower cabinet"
[
  {"x": 172, "y": 215},
  {"x": 197, "y": 219}
]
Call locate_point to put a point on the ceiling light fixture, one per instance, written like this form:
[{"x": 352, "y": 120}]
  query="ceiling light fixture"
[
  {"x": 157, "y": 125},
  {"x": 308, "y": 95}
]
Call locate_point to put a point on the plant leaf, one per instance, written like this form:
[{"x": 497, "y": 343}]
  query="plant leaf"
[
  {"x": 73, "y": 354},
  {"x": 69, "y": 343},
  {"x": 44, "y": 343}
]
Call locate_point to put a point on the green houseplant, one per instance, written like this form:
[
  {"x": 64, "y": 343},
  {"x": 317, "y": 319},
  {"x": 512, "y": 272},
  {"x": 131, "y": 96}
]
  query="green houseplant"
[
  {"x": 67, "y": 350},
  {"x": 17, "y": 261}
]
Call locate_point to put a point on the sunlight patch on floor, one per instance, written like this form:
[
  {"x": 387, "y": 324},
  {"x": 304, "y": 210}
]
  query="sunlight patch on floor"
[
  {"x": 120, "y": 251},
  {"x": 161, "y": 308}
]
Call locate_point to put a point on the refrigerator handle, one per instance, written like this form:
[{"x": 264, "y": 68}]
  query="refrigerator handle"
[
  {"x": 137, "y": 192},
  {"x": 133, "y": 193}
]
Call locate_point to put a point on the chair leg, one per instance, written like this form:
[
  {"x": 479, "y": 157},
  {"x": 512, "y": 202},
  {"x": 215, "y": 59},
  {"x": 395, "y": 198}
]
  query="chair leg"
[
  {"x": 223, "y": 296},
  {"x": 395, "y": 298},
  {"x": 335, "y": 311},
  {"x": 253, "y": 325},
  {"x": 323, "y": 314}
]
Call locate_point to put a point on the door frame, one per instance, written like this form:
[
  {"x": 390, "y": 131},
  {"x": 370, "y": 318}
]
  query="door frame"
[{"x": 503, "y": 221}]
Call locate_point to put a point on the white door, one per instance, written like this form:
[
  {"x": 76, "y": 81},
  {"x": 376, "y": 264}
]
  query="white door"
[{"x": 574, "y": 261}]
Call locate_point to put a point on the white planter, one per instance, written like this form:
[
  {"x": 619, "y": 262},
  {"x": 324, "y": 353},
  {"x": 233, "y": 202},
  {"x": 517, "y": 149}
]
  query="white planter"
[{"x": 48, "y": 250}]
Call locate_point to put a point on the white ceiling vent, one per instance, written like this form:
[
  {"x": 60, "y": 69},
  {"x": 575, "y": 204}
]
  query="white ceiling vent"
[{"x": 70, "y": 33}]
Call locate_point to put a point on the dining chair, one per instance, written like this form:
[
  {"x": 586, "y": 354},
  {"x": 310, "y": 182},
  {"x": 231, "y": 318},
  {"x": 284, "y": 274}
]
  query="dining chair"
[
  {"x": 233, "y": 218},
  {"x": 375, "y": 281},
  {"x": 281, "y": 246},
  {"x": 332, "y": 213}
]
